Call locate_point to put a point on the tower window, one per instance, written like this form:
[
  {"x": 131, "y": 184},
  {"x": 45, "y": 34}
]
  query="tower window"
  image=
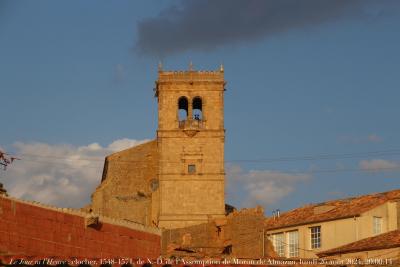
[
  {"x": 191, "y": 168},
  {"x": 197, "y": 108},
  {"x": 183, "y": 108}
]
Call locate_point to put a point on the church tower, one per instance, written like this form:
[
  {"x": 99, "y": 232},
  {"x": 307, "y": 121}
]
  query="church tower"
[{"x": 190, "y": 140}]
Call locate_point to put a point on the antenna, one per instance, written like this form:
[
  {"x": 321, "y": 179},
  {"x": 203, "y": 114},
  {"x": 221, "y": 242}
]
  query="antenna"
[{"x": 6, "y": 159}]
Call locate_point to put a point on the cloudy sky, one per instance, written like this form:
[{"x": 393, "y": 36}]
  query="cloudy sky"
[{"x": 312, "y": 100}]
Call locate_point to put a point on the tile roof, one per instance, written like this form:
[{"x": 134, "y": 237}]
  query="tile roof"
[
  {"x": 383, "y": 241},
  {"x": 330, "y": 210}
]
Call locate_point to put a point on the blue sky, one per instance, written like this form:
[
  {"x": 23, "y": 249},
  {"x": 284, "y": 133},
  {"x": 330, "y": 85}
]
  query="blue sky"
[{"x": 76, "y": 74}]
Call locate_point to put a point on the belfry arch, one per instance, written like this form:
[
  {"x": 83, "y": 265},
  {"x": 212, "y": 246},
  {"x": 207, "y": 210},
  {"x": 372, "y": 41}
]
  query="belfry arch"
[
  {"x": 197, "y": 108},
  {"x": 183, "y": 108}
]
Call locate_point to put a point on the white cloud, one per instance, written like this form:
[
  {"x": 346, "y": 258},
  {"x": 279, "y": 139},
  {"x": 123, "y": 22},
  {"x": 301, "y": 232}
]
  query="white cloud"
[
  {"x": 263, "y": 187},
  {"x": 62, "y": 175},
  {"x": 124, "y": 143},
  {"x": 379, "y": 165}
]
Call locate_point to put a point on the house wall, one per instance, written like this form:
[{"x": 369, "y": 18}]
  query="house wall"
[
  {"x": 395, "y": 211},
  {"x": 388, "y": 213},
  {"x": 29, "y": 229},
  {"x": 382, "y": 257},
  {"x": 343, "y": 231}
]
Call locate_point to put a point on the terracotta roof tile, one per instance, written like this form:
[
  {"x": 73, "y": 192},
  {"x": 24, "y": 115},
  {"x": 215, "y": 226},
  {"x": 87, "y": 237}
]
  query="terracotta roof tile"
[
  {"x": 330, "y": 210},
  {"x": 382, "y": 241}
]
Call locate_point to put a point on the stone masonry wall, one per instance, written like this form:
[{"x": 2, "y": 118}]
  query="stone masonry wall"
[
  {"x": 191, "y": 197},
  {"x": 238, "y": 235},
  {"x": 245, "y": 230},
  {"x": 29, "y": 229},
  {"x": 126, "y": 190}
]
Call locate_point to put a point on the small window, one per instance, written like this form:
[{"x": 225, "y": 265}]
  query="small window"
[
  {"x": 293, "y": 238},
  {"x": 315, "y": 233},
  {"x": 191, "y": 168},
  {"x": 279, "y": 244},
  {"x": 227, "y": 250},
  {"x": 377, "y": 225}
]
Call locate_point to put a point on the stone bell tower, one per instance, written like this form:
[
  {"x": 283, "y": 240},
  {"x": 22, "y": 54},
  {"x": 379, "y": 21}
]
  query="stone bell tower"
[{"x": 190, "y": 139}]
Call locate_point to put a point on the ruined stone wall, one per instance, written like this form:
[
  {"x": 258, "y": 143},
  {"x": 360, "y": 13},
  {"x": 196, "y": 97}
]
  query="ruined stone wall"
[
  {"x": 245, "y": 231},
  {"x": 129, "y": 185},
  {"x": 29, "y": 229},
  {"x": 196, "y": 241},
  {"x": 238, "y": 235}
]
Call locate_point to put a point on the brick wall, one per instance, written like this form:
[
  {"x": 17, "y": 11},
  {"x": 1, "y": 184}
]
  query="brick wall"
[{"x": 36, "y": 230}]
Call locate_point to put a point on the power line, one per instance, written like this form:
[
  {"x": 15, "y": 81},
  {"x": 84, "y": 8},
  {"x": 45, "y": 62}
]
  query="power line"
[
  {"x": 61, "y": 163},
  {"x": 344, "y": 170},
  {"x": 270, "y": 238},
  {"x": 391, "y": 152},
  {"x": 298, "y": 172}
]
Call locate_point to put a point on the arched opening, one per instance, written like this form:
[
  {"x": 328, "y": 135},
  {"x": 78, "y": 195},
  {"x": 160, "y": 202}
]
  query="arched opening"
[
  {"x": 197, "y": 108},
  {"x": 183, "y": 108}
]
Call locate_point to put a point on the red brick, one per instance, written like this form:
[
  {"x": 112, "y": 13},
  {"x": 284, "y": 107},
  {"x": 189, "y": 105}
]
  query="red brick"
[
  {"x": 6, "y": 210},
  {"x": 13, "y": 239},
  {"x": 4, "y": 202},
  {"x": 76, "y": 230},
  {"x": 94, "y": 246},
  {"x": 46, "y": 213},
  {"x": 77, "y": 221},
  {"x": 76, "y": 239},
  {"x": 34, "y": 230},
  {"x": 7, "y": 226},
  {"x": 106, "y": 227},
  {"x": 59, "y": 217},
  {"x": 46, "y": 234},
  {"x": 60, "y": 250},
  {"x": 123, "y": 231}
]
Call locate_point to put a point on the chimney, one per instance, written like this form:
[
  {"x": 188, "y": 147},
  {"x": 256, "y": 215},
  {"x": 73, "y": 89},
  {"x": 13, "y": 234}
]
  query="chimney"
[
  {"x": 3, "y": 191},
  {"x": 276, "y": 213}
]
